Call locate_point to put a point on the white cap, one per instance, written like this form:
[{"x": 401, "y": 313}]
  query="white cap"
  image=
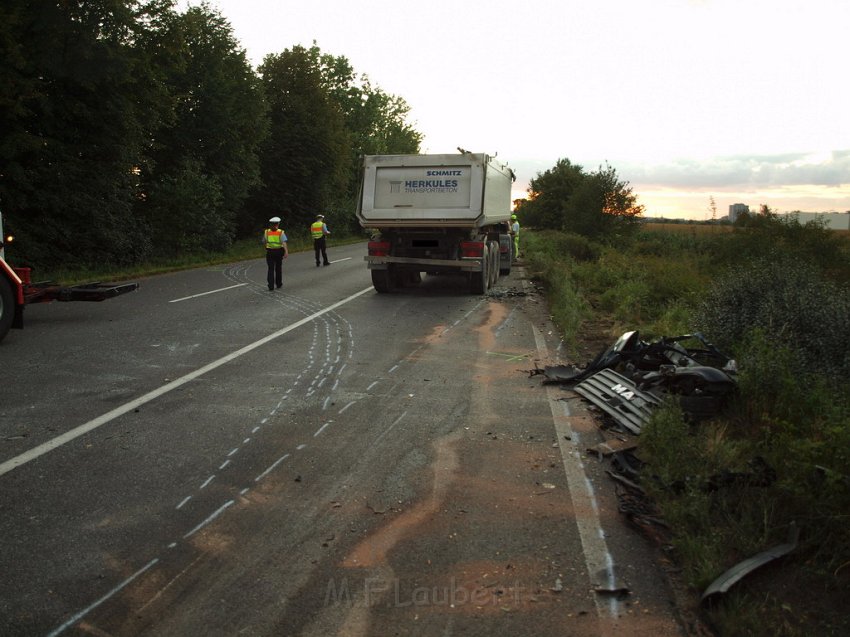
[
  {"x": 274, "y": 220},
  {"x": 320, "y": 216}
]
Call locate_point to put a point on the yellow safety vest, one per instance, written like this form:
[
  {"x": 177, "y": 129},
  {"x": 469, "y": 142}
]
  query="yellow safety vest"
[
  {"x": 317, "y": 229},
  {"x": 273, "y": 239}
]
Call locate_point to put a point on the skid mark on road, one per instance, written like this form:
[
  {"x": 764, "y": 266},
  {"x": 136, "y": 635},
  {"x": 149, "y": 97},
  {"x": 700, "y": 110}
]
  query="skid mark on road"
[
  {"x": 372, "y": 552},
  {"x": 339, "y": 345}
]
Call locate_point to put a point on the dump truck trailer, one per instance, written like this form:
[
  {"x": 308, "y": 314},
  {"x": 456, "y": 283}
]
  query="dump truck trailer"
[
  {"x": 17, "y": 290},
  {"x": 436, "y": 214}
]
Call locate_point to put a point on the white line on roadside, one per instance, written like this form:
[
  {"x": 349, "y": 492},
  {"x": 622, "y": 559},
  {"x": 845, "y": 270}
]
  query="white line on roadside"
[
  {"x": 194, "y": 296},
  {"x": 597, "y": 558},
  {"x": 341, "y": 260},
  {"x": 68, "y": 436},
  {"x": 271, "y": 468},
  {"x": 115, "y": 590},
  {"x": 215, "y": 514}
]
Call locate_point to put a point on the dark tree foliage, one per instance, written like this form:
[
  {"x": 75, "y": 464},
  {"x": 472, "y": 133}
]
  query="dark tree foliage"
[
  {"x": 375, "y": 120},
  {"x": 130, "y": 131},
  {"x": 565, "y": 197},
  {"x": 77, "y": 106},
  {"x": 304, "y": 156},
  {"x": 310, "y": 90},
  {"x": 205, "y": 161}
]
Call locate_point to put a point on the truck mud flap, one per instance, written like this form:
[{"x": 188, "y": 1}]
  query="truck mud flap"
[{"x": 618, "y": 397}]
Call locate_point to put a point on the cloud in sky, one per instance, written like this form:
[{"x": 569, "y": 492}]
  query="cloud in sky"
[
  {"x": 757, "y": 171},
  {"x": 700, "y": 94}
]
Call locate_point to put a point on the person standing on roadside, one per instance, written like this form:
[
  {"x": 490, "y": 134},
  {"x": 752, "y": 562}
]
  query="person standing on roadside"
[
  {"x": 274, "y": 239},
  {"x": 319, "y": 230},
  {"x": 515, "y": 233}
]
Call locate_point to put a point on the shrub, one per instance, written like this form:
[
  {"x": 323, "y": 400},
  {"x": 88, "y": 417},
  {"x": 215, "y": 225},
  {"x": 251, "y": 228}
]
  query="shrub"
[{"x": 791, "y": 302}]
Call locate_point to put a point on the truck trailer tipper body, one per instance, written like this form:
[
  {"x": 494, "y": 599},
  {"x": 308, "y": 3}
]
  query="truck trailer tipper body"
[{"x": 436, "y": 214}]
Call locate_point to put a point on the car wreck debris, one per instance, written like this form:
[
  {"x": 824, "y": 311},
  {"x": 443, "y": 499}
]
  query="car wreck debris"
[
  {"x": 744, "y": 568},
  {"x": 617, "y": 396},
  {"x": 701, "y": 377}
]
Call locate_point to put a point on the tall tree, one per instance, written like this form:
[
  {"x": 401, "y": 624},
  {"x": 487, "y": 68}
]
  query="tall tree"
[
  {"x": 205, "y": 161},
  {"x": 549, "y": 194},
  {"x": 77, "y": 112},
  {"x": 304, "y": 157},
  {"x": 596, "y": 204},
  {"x": 376, "y": 122}
]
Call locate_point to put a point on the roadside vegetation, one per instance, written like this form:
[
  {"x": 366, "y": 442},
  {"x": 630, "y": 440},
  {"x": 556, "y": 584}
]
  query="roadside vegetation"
[{"x": 775, "y": 295}]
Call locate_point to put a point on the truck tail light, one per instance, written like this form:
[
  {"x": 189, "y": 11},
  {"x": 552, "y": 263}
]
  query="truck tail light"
[
  {"x": 379, "y": 248},
  {"x": 471, "y": 249}
]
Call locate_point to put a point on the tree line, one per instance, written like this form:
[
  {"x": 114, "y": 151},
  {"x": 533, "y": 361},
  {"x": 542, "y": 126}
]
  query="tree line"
[
  {"x": 131, "y": 131},
  {"x": 595, "y": 204}
]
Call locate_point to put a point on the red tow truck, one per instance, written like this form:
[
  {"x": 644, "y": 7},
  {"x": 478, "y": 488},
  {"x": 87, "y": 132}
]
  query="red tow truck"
[{"x": 17, "y": 290}]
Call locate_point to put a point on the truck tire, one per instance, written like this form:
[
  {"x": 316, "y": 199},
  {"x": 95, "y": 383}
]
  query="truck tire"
[
  {"x": 414, "y": 278},
  {"x": 505, "y": 264},
  {"x": 478, "y": 280},
  {"x": 494, "y": 263},
  {"x": 7, "y": 306},
  {"x": 383, "y": 281}
]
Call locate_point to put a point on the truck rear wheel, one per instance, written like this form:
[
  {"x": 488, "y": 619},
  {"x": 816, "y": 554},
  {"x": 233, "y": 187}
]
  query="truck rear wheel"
[
  {"x": 505, "y": 258},
  {"x": 383, "y": 281},
  {"x": 494, "y": 263},
  {"x": 7, "y": 306},
  {"x": 478, "y": 281}
]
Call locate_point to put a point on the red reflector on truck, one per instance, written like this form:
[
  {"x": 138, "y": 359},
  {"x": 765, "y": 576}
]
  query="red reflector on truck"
[
  {"x": 379, "y": 248},
  {"x": 471, "y": 249}
]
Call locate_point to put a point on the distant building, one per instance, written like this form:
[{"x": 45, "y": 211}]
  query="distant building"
[{"x": 736, "y": 209}]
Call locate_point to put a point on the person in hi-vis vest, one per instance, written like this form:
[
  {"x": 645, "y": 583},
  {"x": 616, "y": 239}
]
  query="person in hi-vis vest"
[
  {"x": 515, "y": 234},
  {"x": 274, "y": 239},
  {"x": 319, "y": 230}
]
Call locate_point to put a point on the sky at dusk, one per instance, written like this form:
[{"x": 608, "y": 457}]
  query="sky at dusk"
[{"x": 740, "y": 100}]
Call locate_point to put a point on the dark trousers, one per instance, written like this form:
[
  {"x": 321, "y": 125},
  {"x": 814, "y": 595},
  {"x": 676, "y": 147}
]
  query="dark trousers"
[
  {"x": 320, "y": 246},
  {"x": 274, "y": 260}
]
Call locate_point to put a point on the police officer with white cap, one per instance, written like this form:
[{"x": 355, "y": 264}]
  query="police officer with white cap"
[{"x": 275, "y": 240}]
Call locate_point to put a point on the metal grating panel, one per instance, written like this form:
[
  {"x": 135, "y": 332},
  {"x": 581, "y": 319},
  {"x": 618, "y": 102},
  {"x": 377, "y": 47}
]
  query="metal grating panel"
[{"x": 617, "y": 396}]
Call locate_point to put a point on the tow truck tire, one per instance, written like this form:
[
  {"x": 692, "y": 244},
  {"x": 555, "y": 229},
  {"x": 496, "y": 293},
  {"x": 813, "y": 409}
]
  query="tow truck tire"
[
  {"x": 7, "y": 306},
  {"x": 383, "y": 281}
]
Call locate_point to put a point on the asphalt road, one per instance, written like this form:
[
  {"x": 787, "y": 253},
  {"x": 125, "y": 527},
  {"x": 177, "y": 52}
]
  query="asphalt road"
[{"x": 206, "y": 457}]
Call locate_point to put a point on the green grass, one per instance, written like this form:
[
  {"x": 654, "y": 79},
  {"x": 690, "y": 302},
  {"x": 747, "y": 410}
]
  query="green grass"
[{"x": 776, "y": 296}]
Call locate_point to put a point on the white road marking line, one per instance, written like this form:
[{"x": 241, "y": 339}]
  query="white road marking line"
[
  {"x": 226, "y": 462},
  {"x": 321, "y": 429},
  {"x": 207, "y": 481},
  {"x": 372, "y": 385},
  {"x": 341, "y": 260},
  {"x": 115, "y": 590},
  {"x": 68, "y": 436},
  {"x": 347, "y": 406},
  {"x": 271, "y": 468},
  {"x": 597, "y": 558},
  {"x": 194, "y": 296},
  {"x": 183, "y": 502},
  {"x": 215, "y": 514},
  {"x": 387, "y": 430}
]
